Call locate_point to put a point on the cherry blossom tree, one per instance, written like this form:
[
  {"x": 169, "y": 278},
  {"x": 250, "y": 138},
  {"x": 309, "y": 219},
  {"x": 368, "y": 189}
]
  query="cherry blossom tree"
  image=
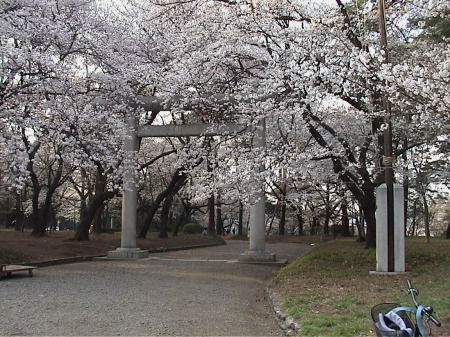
[
  {"x": 50, "y": 74},
  {"x": 323, "y": 66},
  {"x": 314, "y": 73}
]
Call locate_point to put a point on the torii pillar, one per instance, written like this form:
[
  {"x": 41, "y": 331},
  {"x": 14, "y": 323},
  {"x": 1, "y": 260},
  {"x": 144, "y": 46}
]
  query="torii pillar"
[
  {"x": 128, "y": 249},
  {"x": 257, "y": 250}
]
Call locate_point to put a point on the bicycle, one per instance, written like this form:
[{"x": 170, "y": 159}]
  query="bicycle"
[{"x": 393, "y": 320}]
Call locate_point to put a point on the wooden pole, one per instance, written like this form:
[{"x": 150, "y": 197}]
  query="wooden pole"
[{"x": 388, "y": 158}]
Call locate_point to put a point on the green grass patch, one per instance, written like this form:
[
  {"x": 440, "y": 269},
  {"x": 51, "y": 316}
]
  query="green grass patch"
[
  {"x": 192, "y": 228},
  {"x": 324, "y": 259},
  {"x": 330, "y": 292}
]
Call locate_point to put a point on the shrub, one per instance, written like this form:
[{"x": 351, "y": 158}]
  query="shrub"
[{"x": 192, "y": 228}]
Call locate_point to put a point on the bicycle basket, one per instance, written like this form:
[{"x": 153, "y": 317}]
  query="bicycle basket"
[{"x": 387, "y": 328}]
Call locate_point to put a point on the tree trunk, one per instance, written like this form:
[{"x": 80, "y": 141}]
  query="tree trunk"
[
  {"x": 97, "y": 221},
  {"x": 359, "y": 223},
  {"x": 315, "y": 225},
  {"x": 447, "y": 232},
  {"x": 426, "y": 213},
  {"x": 96, "y": 203},
  {"x": 241, "y": 219},
  {"x": 44, "y": 212},
  {"x": 53, "y": 222},
  {"x": 45, "y": 218},
  {"x": 273, "y": 218},
  {"x": 176, "y": 178},
  {"x": 19, "y": 214},
  {"x": 414, "y": 219},
  {"x": 35, "y": 215},
  {"x": 35, "y": 186},
  {"x": 360, "y": 186},
  {"x": 20, "y": 223},
  {"x": 359, "y": 228},
  {"x": 148, "y": 220},
  {"x": 283, "y": 191},
  {"x": 164, "y": 223},
  {"x": 178, "y": 223},
  {"x": 282, "y": 226},
  {"x": 326, "y": 224},
  {"x": 344, "y": 220},
  {"x": 368, "y": 209},
  {"x": 300, "y": 223},
  {"x": 219, "y": 221},
  {"x": 211, "y": 230},
  {"x": 211, "y": 216}
]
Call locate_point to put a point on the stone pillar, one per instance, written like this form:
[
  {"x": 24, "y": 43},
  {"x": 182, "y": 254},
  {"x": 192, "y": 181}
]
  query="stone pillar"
[
  {"x": 382, "y": 231},
  {"x": 257, "y": 247},
  {"x": 128, "y": 249},
  {"x": 129, "y": 194}
]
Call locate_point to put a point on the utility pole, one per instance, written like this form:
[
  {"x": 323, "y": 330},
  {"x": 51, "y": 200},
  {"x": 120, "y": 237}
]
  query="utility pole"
[{"x": 388, "y": 158}]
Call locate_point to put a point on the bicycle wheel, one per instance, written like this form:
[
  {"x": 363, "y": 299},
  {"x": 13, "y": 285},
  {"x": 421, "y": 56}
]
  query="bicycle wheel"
[{"x": 426, "y": 326}]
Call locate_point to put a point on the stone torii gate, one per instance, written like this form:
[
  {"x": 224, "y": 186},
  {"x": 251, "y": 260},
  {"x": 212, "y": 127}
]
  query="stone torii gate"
[{"x": 128, "y": 248}]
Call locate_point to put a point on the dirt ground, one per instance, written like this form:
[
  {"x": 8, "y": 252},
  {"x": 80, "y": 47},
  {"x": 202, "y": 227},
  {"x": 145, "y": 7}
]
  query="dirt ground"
[
  {"x": 22, "y": 247},
  {"x": 194, "y": 292}
]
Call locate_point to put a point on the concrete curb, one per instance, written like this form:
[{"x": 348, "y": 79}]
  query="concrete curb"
[
  {"x": 48, "y": 263},
  {"x": 286, "y": 322},
  {"x": 162, "y": 250},
  {"x": 77, "y": 259}
]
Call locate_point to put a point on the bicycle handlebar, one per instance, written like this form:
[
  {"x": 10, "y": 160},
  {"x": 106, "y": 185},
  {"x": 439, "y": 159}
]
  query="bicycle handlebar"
[
  {"x": 413, "y": 292},
  {"x": 409, "y": 284},
  {"x": 432, "y": 318}
]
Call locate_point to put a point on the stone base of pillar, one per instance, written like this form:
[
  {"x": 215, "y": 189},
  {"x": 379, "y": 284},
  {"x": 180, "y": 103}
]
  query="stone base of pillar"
[
  {"x": 382, "y": 235},
  {"x": 387, "y": 273},
  {"x": 255, "y": 256},
  {"x": 127, "y": 254}
]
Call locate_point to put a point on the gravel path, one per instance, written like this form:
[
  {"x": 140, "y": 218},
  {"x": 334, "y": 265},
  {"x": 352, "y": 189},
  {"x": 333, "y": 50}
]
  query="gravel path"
[{"x": 198, "y": 292}]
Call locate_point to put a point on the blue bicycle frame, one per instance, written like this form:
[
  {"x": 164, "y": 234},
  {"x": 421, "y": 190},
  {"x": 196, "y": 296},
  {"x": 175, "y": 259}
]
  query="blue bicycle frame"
[
  {"x": 400, "y": 323},
  {"x": 419, "y": 317},
  {"x": 420, "y": 311}
]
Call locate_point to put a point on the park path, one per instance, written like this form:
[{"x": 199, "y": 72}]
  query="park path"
[{"x": 197, "y": 292}]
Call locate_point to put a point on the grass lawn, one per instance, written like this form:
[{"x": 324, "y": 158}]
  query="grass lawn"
[{"x": 330, "y": 292}]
